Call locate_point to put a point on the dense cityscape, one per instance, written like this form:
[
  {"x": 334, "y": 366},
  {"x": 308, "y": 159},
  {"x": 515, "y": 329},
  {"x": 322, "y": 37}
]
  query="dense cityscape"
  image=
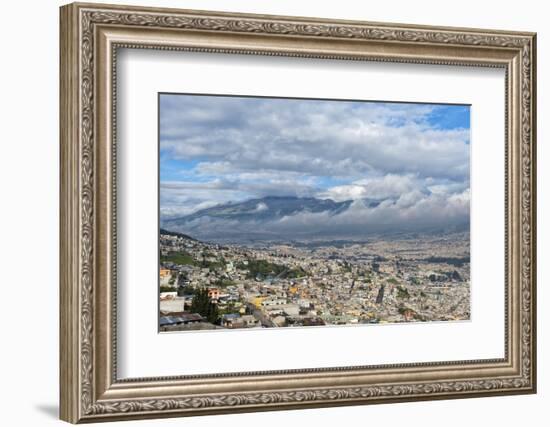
[{"x": 418, "y": 278}]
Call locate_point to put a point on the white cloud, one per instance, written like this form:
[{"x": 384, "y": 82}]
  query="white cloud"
[
  {"x": 411, "y": 211},
  {"x": 414, "y": 211},
  {"x": 331, "y": 139},
  {"x": 260, "y": 207},
  {"x": 386, "y": 186},
  {"x": 251, "y": 148}
]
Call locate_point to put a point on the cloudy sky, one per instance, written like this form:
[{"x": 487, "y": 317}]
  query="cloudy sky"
[{"x": 219, "y": 149}]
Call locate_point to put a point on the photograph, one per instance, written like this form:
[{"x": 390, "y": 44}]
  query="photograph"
[
  {"x": 270, "y": 209},
  {"x": 296, "y": 212}
]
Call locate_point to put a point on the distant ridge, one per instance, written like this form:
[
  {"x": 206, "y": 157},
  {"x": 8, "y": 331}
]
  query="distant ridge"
[
  {"x": 264, "y": 209},
  {"x": 284, "y": 218}
]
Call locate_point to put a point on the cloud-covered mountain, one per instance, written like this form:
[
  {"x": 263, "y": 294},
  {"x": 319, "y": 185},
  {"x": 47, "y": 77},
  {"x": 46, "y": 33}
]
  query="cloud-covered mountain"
[
  {"x": 265, "y": 209},
  {"x": 254, "y": 168},
  {"x": 288, "y": 218}
]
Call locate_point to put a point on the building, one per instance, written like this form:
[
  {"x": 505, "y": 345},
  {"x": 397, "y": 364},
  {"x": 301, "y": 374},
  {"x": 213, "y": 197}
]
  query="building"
[
  {"x": 258, "y": 301},
  {"x": 232, "y": 320},
  {"x": 183, "y": 318},
  {"x": 214, "y": 293},
  {"x": 165, "y": 276}
]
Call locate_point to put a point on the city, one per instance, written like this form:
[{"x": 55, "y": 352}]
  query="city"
[{"x": 418, "y": 278}]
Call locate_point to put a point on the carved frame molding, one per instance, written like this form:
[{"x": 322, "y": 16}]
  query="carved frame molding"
[{"x": 90, "y": 390}]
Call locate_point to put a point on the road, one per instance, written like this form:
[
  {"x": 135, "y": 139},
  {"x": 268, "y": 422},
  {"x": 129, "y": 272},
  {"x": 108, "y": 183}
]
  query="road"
[{"x": 258, "y": 314}]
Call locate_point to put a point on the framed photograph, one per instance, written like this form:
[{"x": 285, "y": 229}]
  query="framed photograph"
[{"x": 266, "y": 213}]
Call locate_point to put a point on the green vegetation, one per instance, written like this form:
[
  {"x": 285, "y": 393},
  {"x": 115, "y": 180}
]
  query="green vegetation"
[
  {"x": 201, "y": 304},
  {"x": 295, "y": 273},
  {"x": 181, "y": 258},
  {"x": 184, "y": 258},
  {"x": 393, "y": 281},
  {"x": 172, "y": 280},
  {"x": 414, "y": 280},
  {"x": 167, "y": 289},
  {"x": 211, "y": 265},
  {"x": 263, "y": 268},
  {"x": 402, "y": 293},
  {"x": 222, "y": 283}
]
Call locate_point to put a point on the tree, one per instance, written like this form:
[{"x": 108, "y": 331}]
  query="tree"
[
  {"x": 402, "y": 292},
  {"x": 202, "y": 305}
]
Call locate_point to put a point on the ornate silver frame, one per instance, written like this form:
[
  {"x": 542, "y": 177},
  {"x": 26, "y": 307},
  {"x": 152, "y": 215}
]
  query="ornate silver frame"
[{"x": 90, "y": 36}]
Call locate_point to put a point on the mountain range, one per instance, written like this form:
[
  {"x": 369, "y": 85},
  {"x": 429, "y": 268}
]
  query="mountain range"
[{"x": 258, "y": 218}]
